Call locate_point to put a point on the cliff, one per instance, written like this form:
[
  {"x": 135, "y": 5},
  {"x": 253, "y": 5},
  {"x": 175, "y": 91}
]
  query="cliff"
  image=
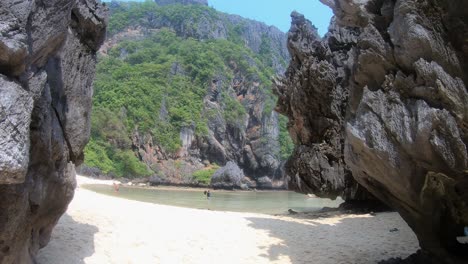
[
  {"x": 383, "y": 98},
  {"x": 314, "y": 95},
  {"x": 205, "y": 79},
  {"x": 193, "y": 19},
  {"x": 47, "y": 60}
]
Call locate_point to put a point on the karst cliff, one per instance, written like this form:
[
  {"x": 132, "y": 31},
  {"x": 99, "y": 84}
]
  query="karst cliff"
[
  {"x": 47, "y": 62},
  {"x": 382, "y": 99},
  {"x": 195, "y": 95}
]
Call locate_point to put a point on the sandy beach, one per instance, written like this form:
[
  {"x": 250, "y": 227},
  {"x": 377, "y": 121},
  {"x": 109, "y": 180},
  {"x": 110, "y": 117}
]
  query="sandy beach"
[{"x": 100, "y": 229}]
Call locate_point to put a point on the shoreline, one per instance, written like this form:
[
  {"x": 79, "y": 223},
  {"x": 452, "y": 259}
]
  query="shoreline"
[
  {"x": 89, "y": 180},
  {"x": 100, "y": 229}
]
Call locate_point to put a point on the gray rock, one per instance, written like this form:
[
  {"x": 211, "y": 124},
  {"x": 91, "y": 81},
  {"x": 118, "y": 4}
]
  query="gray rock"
[
  {"x": 244, "y": 187},
  {"x": 314, "y": 96},
  {"x": 47, "y": 60},
  {"x": 16, "y": 106},
  {"x": 383, "y": 98},
  {"x": 155, "y": 180},
  {"x": 227, "y": 177},
  {"x": 90, "y": 172},
  {"x": 13, "y": 48},
  {"x": 264, "y": 183}
]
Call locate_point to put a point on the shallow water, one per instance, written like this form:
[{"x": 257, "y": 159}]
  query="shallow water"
[{"x": 267, "y": 202}]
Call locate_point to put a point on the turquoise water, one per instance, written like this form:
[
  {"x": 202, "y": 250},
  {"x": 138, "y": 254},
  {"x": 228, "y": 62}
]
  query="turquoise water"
[{"x": 267, "y": 202}]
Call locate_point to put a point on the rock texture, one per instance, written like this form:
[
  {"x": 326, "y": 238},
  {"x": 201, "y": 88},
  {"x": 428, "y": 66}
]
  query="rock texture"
[
  {"x": 314, "y": 95},
  {"x": 47, "y": 58},
  {"x": 227, "y": 177},
  {"x": 383, "y": 98}
]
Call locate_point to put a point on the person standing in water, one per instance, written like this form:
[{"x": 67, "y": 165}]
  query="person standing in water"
[
  {"x": 116, "y": 186},
  {"x": 208, "y": 194}
]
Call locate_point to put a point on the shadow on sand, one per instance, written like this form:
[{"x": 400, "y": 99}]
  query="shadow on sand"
[
  {"x": 356, "y": 239},
  {"x": 71, "y": 243}
]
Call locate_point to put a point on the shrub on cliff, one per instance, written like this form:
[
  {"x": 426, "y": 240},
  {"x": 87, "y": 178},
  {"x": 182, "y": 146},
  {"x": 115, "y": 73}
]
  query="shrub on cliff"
[
  {"x": 204, "y": 175},
  {"x": 157, "y": 85}
]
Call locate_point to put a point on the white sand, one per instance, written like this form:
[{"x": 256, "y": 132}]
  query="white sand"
[{"x": 101, "y": 229}]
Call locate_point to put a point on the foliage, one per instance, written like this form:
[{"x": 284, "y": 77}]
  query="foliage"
[
  {"x": 149, "y": 13},
  {"x": 128, "y": 165},
  {"x": 234, "y": 111},
  {"x": 286, "y": 143},
  {"x": 157, "y": 85},
  {"x": 109, "y": 159},
  {"x": 96, "y": 156},
  {"x": 204, "y": 175}
]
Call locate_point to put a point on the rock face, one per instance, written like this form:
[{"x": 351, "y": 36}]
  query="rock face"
[
  {"x": 383, "y": 98},
  {"x": 227, "y": 177},
  {"x": 207, "y": 24},
  {"x": 314, "y": 95},
  {"x": 252, "y": 139},
  {"x": 252, "y": 142},
  {"x": 47, "y": 59}
]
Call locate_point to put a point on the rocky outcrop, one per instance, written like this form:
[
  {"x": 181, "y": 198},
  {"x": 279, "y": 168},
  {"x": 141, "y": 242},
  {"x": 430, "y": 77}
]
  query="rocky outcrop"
[
  {"x": 227, "y": 177},
  {"x": 251, "y": 142},
  {"x": 314, "y": 95},
  {"x": 47, "y": 59},
  {"x": 383, "y": 97}
]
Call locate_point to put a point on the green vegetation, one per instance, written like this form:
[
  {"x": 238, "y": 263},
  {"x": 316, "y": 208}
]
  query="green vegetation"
[
  {"x": 204, "y": 175},
  {"x": 148, "y": 13},
  {"x": 109, "y": 159},
  {"x": 286, "y": 143},
  {"x": 234, "y": 111},
  {"x": 156, "y": 86}
]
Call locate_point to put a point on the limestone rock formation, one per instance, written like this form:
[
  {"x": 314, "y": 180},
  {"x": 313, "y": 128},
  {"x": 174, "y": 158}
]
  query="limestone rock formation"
[
  {"x": 252, "y": 138},
  {"x": 47, "y": 59},
  {"x": 314, "y": 95},
  {"x": 227, "y": 177},
  {"x": 383, "y": 97}
]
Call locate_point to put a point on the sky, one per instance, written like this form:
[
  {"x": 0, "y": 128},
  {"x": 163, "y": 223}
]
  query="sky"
[{"x": 275, "y": 12}]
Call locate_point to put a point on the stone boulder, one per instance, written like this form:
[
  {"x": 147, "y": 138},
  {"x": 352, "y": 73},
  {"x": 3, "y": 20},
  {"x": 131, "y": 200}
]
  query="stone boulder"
[
  {"x": 228, "y": 177},
  {"x": 91, "y": 172},
  {"x": 47, "y": 64},
  {"x": 155, "y": 180},
  {"x": 264, "y": 183}
]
